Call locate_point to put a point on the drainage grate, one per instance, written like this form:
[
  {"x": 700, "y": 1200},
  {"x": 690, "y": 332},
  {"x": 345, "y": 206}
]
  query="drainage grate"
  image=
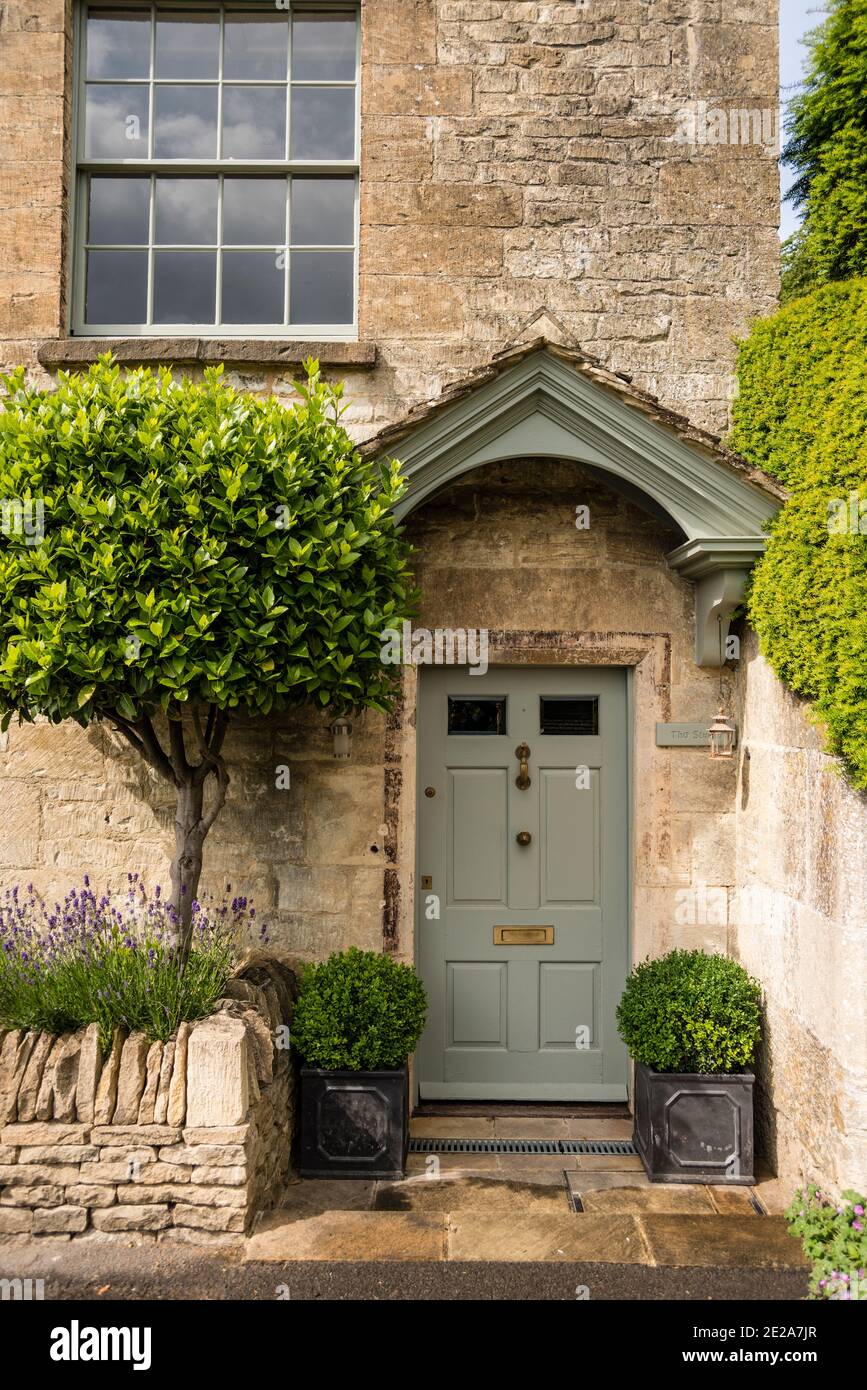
[{"x": 619, "y": 1147}]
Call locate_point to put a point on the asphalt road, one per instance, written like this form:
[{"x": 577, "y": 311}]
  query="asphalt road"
[{"x": 104, "y": 1273}]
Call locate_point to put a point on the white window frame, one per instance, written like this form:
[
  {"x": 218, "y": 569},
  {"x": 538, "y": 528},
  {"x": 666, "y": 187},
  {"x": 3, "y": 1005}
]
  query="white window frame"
[{"x": 82, "y": 167}]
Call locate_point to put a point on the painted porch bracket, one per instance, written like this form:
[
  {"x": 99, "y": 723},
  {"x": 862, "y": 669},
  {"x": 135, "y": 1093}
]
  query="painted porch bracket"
[
  {"x": 720, "y": 569},
  {"x": 547, "y": 401}
]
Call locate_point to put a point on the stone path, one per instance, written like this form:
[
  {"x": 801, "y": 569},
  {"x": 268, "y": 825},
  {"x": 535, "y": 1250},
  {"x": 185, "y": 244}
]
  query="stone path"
[{"x": 522, "y": 1208}]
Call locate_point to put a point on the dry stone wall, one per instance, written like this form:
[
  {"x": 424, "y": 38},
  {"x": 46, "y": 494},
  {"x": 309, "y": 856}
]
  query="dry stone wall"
[{"x": 185, "y": 1140}]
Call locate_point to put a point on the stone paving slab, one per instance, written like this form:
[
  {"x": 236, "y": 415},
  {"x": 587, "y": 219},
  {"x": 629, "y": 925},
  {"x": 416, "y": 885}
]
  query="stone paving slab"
[
  {"x": 722, "y": 1242},
  {"x": 606, "y": 1163},
  {"x": 435, "y": 1127},
  {"x": 619, "y": 1194},
  {"x": 309, "y": 1196},
  {"x": 480, "y": 1235},
  {"x": 733, "y": 1201},
  {"x": 483, "y": 1192},
  {"x": 351, "y": 1235},
  {"x": 594, "y": 1182}
]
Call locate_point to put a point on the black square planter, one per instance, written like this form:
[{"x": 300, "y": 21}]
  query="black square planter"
[
  {"x": 694, "y": 1128},
  {"x": 354, "y": 1124}
]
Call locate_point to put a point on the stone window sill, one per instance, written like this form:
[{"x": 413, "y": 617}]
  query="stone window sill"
[{"x": 260, "y": 352}]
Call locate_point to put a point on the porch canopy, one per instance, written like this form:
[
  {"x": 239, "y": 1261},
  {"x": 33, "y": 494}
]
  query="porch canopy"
[{"x": 544, "y": 400}]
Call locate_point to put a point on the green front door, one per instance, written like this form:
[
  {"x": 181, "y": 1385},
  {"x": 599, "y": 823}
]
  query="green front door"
[{"x": 522, "y": 882}]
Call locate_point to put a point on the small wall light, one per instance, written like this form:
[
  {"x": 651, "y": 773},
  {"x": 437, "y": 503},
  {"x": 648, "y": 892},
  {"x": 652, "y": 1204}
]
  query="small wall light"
[
  {"x": 341, "y": 730},
  {"x": 722, "y": 736}
]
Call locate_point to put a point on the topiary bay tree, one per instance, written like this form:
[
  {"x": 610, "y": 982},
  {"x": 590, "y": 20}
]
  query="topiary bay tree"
[{"x": 198, "y": 551}]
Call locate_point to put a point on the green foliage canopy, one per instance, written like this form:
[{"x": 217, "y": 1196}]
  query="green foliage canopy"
[
  {"x": 358, "y": 1011},
  {"x": 691, "y": 1012},
  {"x": 827, "y": 147},
  {"x": 801, "y": 414},
  {"x": 200, "y": 545}
]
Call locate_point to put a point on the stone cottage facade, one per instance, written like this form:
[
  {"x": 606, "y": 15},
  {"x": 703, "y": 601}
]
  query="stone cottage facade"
[{"x": 551, "y": 223}]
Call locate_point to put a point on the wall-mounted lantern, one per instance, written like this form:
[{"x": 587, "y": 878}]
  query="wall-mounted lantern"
[
  {"x": 722, "y": 736},
  {"x": 341, "y": 731}
]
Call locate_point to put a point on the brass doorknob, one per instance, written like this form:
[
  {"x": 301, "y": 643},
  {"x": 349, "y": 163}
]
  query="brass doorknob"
[{"x": 523, "y": 837}]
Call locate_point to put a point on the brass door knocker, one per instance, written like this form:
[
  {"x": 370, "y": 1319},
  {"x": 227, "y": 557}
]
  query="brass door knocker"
[{"x": 522, "y": 753}]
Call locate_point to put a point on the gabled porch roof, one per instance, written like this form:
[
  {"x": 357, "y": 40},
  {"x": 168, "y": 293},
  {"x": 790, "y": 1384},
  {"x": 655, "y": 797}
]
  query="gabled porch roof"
[{"x": 542, "y": 399}]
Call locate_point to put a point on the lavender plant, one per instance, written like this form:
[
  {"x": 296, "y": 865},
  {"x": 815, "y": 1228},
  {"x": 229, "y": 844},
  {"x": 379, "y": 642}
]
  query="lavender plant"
[{"x": 113, "y": 960}]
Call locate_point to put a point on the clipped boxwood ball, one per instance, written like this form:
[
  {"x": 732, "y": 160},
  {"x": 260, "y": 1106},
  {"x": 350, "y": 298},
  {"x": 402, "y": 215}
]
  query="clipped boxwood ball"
[
  {"x": 691, "y": 1012},
  {"x": 358, "y": 1011}
]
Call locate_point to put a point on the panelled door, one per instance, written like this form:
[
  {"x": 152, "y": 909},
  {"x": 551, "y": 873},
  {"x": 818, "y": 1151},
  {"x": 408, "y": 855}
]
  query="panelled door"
[{"x": 522, "y": 882}]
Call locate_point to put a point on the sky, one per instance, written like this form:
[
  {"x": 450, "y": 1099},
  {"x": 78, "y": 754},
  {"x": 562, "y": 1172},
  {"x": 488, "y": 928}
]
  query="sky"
[{"x": 796, "y": 18}]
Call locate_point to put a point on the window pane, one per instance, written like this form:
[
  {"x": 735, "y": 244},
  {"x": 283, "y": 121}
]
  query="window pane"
[
  {"x": 323, "y": 48},
  {"x": 256, "y": 46},
  {"x": 254, "y": 123},
  {"x": 253, "y": 287},
  {"x": 116, "y": 290},
  {"x": 116, "y": 122},
  {"x": 323, "y": 212},
  {"x": 320, "y": 287},
  {"x": 118, "y": 43},
  {"x": 323, "y": 122},
  {"x": 468, "y": 716},
  {"x": 561, "y": 714},
  {"x": 118, "y": 211},
  {"x": 185, "y": 122},
  {"x": 187, "y": 45},
  {"x": 185, "y": 286},
  {"x": 254, "y": 212},
  {"x": 186, "y": 212}
]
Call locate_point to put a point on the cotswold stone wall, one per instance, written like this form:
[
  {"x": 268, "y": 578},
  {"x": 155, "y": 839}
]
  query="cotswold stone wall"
[
  {"x": 185, "y": 1140},
  {"x": 514, "y": 155},
  {"x": 330, "y": 859},
  {"x": 797, "y": 922}
]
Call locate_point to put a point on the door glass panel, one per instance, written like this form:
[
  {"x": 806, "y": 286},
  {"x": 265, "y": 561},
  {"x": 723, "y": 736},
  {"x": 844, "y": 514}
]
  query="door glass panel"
[
  {"x": 467, "y": 716},
  {"x": 567, "y": 714}
]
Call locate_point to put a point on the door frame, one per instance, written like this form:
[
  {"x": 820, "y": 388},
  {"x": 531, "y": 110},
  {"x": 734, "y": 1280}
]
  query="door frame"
[{"x": 646, "y": 658}]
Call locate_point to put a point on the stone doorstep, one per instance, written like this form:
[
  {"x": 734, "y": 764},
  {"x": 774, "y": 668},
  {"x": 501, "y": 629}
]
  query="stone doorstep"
[
  {"x": 476, "y": 1234},
  {"x": 483, "y": 1215}
]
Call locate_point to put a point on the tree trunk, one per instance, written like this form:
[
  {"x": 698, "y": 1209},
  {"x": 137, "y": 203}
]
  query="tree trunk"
[
  {"x": 186, "y": 866},
  {"x": 192, "y": 822}
]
